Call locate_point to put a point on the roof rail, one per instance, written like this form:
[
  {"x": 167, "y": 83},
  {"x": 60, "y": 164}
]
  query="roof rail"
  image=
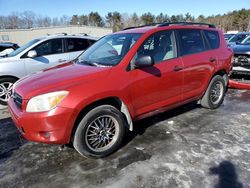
[
  {"x": 173, "y": 23},
  {"x": 84, "y": 34},
  {"x": 61, "y": 34},
  {"x": 154, "y": 24},
  {"x": 185, "y": 23},
  {"x": 57, "y": 34}
]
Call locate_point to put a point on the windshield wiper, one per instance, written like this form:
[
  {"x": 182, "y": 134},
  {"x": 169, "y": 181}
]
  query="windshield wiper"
[
  {"x": 91, "y": 63},
  {"x": 85, "y": 63}
]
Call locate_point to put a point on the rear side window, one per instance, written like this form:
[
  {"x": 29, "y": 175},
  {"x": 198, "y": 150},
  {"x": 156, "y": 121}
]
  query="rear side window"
[
  {"x": 76, "y": 44},
  {"x": 191, "y": 41},
  {"x": 213, "y": 38}
]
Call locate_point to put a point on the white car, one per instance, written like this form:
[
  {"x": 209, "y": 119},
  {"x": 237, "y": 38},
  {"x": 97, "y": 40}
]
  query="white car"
[{"x": 37, "y": 55}]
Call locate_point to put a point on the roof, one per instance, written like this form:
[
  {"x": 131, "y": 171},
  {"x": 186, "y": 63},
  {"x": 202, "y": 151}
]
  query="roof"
[
  {"x": 6, "y": 44},
  {"x": 64, "y": 35},
  {"x": 144, "y": 29}
]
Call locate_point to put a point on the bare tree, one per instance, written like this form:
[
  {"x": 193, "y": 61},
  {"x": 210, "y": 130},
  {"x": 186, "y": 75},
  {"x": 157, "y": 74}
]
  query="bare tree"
[
  {"x": 13, "y": 21},
  {"x": 27, "y": 19},
  {"x": 55, "y": 21}
]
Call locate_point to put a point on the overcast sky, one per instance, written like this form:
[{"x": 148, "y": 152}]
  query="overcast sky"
[{"x": 57, "y": 8}]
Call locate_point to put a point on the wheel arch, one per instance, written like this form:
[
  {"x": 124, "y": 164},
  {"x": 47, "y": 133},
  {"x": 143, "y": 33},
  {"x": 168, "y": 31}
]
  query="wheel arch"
[
  {"x": 113, "y": 101},
  {"x": 9, "y": 76},
  {"x": 222, "y": 73}
]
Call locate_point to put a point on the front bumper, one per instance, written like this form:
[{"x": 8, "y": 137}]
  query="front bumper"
[{"x": 54, "y": 126}]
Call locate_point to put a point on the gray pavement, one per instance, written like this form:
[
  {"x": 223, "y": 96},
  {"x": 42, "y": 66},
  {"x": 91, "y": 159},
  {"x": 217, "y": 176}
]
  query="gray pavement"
[{"x": 186, "y": 147}]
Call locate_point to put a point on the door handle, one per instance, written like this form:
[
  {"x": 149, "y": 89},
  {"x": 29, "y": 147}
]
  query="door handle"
[
  {"x": 61, "y": 60},
  {"x": 177, "y": 68},
  {"x": 212, "y": 59}
]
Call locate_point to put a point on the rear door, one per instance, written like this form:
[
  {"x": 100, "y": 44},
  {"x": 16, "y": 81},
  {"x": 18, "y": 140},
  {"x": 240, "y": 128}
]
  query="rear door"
[
  {"x": 49, "y": 53},
  {"x": 198, "y": 61},
  {"x": 160, "y": 85}
]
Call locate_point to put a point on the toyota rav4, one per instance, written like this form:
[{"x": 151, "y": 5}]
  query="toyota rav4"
[{"x": 123, "y": 77}]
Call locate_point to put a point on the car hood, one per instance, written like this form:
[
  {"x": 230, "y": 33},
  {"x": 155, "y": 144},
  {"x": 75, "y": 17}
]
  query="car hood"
[
  {"x": 58, "y": 78},
  {"x": 7, "y": 59},
  {"x": 241, "y": 49}
]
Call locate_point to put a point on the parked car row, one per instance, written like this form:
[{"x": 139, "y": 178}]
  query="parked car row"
[
  {"x": 240, "y": 44},
  {"x": 241, "y": 62},
  {"x": 123, "y": 77},
  {"x": 238, "y": 38},
  {"x": 37, "y": 55}
]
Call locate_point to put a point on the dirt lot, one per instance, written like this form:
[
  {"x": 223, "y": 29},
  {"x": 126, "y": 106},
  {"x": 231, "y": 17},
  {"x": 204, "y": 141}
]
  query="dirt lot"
[{"x": 186, "y": 147}]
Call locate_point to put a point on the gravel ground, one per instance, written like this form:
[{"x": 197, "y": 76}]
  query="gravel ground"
[{"x": 186, "y": 147}]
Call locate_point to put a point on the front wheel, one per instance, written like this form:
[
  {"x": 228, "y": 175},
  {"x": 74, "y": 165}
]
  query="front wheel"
[
  {"x": 215, "y": 93},
  {"x": 100, "y": 132},
  {"x": 6, "y": 85}
]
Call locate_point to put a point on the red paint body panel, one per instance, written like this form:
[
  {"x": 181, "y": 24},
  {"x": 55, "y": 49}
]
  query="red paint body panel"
[
  {"x": 144, "y": 91},
  {"x": 57, "y": 122},
  {"x": 238, "y": 85}
]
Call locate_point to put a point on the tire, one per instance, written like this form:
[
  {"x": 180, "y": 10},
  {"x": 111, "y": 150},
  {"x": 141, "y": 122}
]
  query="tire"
[
  {"x": 215, "y": 93},
  {"x": 6, "y": 85},
  {"x": 90, "y": 134}
]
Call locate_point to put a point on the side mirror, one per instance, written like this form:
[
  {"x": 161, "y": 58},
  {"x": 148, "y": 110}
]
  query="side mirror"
[
  {"x": 32, "y": 54},
  {"x": 144, "y": 61}
]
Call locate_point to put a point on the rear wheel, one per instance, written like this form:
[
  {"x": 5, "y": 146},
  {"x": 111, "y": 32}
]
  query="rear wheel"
[
  {"x": 6, "y": 85},
  {"x": 215, "y": 93},
  {"x": 100, "y": 132}
]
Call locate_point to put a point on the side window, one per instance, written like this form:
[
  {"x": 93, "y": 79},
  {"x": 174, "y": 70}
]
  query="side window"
[
  {"x": 160, "y": 46},
  {"x": 191, "y": 41},
  {"x": 76, "y": 44},
  {"x": 49, "y": 47},
  {"x": 92, "y": 42},
  {"x": 213, "y": 38},
  {"x": 2, "y": 48}
]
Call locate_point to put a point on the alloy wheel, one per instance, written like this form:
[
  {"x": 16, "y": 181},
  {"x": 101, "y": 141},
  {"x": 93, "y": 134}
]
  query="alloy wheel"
[
  {"x": 216, "y": 92},
  {"x": 102, "y": 133},
  {"x": 5, "y": 91}
]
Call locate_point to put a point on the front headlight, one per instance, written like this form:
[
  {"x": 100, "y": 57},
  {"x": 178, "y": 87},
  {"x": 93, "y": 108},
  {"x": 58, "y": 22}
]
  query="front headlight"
[{"x": 45, "y": 102}]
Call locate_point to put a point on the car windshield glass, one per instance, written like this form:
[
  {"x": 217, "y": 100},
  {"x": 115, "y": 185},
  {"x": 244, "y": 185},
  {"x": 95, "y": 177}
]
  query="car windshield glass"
[
  {"x": 246, "y": 41},
  {"x": 238, "y": 38},
  {"x": 108, "y": 51},
  {"x": 22, "y": 48}
]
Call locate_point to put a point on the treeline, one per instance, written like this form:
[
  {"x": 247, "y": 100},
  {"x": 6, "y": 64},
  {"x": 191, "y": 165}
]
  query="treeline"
[
  {"x": 28, "y": 19},
  {"x": 237, "y": 20}
]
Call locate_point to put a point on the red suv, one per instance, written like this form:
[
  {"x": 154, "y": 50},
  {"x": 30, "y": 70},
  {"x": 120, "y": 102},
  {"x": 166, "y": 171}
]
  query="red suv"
[{"x": 125, "y": 76}]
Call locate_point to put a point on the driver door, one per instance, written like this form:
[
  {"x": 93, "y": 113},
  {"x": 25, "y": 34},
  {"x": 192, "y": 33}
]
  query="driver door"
[
  {"x": 49, "y": 53},
  {"x": 159, "y": 85}
]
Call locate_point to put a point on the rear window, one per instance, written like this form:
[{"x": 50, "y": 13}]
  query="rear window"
[
  {"x": 2, "y": 48},
  {"x": 213, "y": 38},
  {"x": 191, "y": 41},
  {"x": 76, "y": 44}
]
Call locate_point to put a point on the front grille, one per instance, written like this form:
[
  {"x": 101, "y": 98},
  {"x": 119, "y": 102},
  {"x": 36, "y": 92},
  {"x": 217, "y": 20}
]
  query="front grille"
[
  {"x": 242, "y": 60},
  {"x": 18, "y": 100}
]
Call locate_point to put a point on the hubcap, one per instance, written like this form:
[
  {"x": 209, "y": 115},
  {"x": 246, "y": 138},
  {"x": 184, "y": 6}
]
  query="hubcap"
[
  {"x": 102, "y": 133},
  {"x": 5, "y": 91},
  {"x": 216, "y": 92}
]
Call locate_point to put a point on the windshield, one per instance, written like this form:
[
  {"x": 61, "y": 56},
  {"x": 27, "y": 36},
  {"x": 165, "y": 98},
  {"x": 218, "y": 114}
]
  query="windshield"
[
  {"x": 238, "y": 38},
  {"x": 246, "y": 41},
  {"x": 108, "y": 51},
  {"x": 22, "y": 48}
]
